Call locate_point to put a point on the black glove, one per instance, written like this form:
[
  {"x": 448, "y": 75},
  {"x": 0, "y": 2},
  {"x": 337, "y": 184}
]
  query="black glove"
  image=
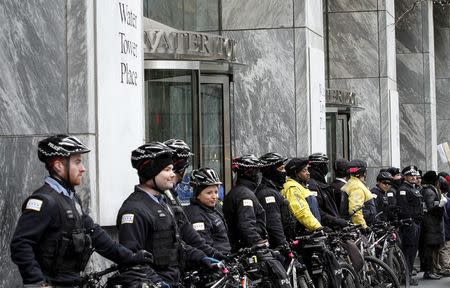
[
  {"x": 326, "y": 229},
  {"x": 220, "y": 256},
  {"x": 140, "y": 257},
  {"x": 342, "y": 222},
  {"x": 366, "y": 231},
  {"x": 209, "y": 262}
]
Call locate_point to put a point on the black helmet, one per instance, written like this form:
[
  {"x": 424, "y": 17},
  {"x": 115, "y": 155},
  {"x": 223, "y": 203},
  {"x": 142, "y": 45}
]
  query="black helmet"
[
  {"x": 318, "y": 158},
  {"x": 204, "y": 177},
  {"x": 60, "y": 145},
  {"x": 295, "y": 165},
  {"x": 384, "y": 176},
  {"x": 245, "y": 162},
  {"x": 150, "y": 151},
  {"x": 357, "y": 167},
  {"x": 151, "y": 158},
  {"x": 272, "y": 159},
  {"x": 182, "y": 150},
  {"x": 393, "y": 170}
]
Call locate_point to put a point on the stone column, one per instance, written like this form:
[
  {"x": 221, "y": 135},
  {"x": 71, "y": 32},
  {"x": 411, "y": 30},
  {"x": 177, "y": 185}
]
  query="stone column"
[
  {"x": 361, "y": 59},
  {"x": 281, "y": 43},
  {"x": 442, "y": 48},
  {"x": 416, "y": 84}
]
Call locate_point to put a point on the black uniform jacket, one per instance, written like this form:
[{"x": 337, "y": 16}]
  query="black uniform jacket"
[
  {"x": 41, "y": 219},
  {"x": 384, "y": 202},
  {"x": 409, "y": 201},
  {"x": 433, "y": 218},
  {"x": 210, "y": 225},
  {"x": 245, "y": 217},
  {"x": 337, "y": 192},
  {"x": 188, "y": 233},
  {"x": 329, "y": 214},
  {"x": 145, "y": 224},
  {"x": 276, "y": 209}
]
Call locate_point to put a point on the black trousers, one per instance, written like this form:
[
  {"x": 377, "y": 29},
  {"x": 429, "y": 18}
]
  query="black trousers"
[{"x": 410, "y": 243}]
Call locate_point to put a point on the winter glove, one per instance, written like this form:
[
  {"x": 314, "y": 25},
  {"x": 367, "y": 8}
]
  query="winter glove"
[
  {"x": 443, "y": 201},
  {"x": 220, "y": 256},
  {"x": 209, "y": 262},
  {"x": 140, "y": 257},
  {"x": 342, "y": 222}
]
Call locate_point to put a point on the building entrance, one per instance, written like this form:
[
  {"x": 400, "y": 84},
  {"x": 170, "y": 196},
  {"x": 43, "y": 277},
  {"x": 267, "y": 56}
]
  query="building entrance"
[{"x": 190, "y": 101}]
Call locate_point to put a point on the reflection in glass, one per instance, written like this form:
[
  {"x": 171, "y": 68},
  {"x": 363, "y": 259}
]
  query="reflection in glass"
[
  {"x": 188, "y": 15},
  {"x": 212, "y": 127},
  {"x": 168, "y": 104}
]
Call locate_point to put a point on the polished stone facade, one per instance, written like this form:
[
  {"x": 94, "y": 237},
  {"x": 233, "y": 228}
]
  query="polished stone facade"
[
  {"x": 416, "y": 85},
  {"x": 49, "y": 84}
]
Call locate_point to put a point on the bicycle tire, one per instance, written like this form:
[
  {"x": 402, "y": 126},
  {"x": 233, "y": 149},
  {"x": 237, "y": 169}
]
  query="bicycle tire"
[
  {"x": 378, "y": 274},
  {"x": 322, "y": 281},
  {"x": 304, "y": 280},
  {"x": 397, "y": 261},
  {"x": 350, "y": 278}
]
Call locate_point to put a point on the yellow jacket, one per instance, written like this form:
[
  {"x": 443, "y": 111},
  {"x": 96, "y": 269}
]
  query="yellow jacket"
[
  {"x": 358, "y": 195},
  {"x": 296, "y": 194}
]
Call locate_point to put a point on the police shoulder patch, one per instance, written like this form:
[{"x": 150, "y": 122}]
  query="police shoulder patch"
[
  {"x": 374, "y": 195},
  {"x": 270, "y": 199},
  {"x": 314, "y": 193},
  {"x": 127, "y": 219},
  {"x": 199, "y": 226},
  {"x": 247, "y": 202},
  {"x": 390, "y": 194},
  {"x": 34, "y": 204},
  {"x": 402, "y": 193}
]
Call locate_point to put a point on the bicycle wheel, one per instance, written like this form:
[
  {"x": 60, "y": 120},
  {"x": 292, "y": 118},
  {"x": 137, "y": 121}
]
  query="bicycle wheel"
[
  {"x": 322, "y": 281},
  {"x": 349, "y": 277},
  {"x": 396, "y": 260},
  {"x": 376, "y": 273},
  {"x": 304, "y": 280}
]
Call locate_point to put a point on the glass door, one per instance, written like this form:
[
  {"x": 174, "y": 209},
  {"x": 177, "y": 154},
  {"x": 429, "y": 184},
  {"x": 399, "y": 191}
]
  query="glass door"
[
  {"x": 182, "y": 104},
  {"x": 337, "y": 139},
  {"x": 214, "y": 126}
]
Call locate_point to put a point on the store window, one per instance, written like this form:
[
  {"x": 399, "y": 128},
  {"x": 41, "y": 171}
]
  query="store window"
[
  {"x": 188, "y": 15},
  {"x": 183, "y": 104}
]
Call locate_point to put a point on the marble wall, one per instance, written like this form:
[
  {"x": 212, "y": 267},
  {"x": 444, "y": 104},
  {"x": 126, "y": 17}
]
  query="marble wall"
[
  {"x": 361, "y": 58},
  {"x": 442, "y": 60},
  {"x": 43, "y": 91},
  {"x": 416, "y": 85},
  {"x": 272, "y": 92}
]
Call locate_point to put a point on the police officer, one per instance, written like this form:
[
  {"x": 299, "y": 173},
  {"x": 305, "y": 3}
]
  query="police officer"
[
  {"x": 341, "y": 177},
  {"x": 302, "y": 203},
  {"x": 358, "y": 200},
  {"x": 409, "y": 201},
  {"x": 206, "y": 219},
  {"x": 54, "y": 238},
  {"x": 188, "y": 233},
  {"x": 245, "y": 217},
  {"x": 275, "y": 205},
  {"x": 146, "y": 221},
  {"x": 384, "y": 197},
  {"x": 329, "y": 214}
]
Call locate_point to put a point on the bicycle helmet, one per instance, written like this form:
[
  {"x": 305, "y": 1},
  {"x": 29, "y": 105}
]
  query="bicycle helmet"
[
  {"x": 246, "y": 162},
  {"x": 384, "y": 176},
  {"x": 295, "y": 165},
  {"x": 151, "y": 158},
  {"x": 60, "y": 145},
  {"x": 393, "y": 170},
  {"x": 272, "y": 159},
  {"x": 182, "y": 150},
  {"x": 318, "y": 158},
  {"x": 204, "y": 177},
  {"x": 357, "y": 167}
]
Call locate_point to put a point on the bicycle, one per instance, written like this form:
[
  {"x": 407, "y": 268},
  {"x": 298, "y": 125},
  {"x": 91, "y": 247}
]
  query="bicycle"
[{"x": 92, "y": 280}]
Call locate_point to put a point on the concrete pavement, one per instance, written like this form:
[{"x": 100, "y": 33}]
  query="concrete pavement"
[{"x": 443, "y": 282}]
